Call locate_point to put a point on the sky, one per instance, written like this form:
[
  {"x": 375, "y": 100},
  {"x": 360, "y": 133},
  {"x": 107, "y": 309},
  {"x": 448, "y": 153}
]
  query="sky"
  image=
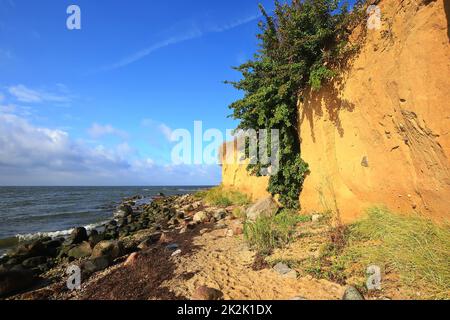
[{"x": 98, "y": 106}]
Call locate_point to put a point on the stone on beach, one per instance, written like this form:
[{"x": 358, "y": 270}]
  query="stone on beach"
[
  {"x": 266, "y": 207},
  {"x": 206, "y": 293},
  {"x": 132, "y": 259},
  {"x": 200, "y": 216},
  {"x": 114, "y": 249},
  {"x": 14, "y": 281},
  {"x": 351, "y": 293},
  {"x": 82, "y": 250},
  {"x": 78, "y": 235},
  {"x": 285, "y": 271}
]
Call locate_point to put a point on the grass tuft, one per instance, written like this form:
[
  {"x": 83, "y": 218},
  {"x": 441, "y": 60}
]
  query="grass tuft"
[
  {"x": 414, "y": 246},
  {"x": 411, "y": 246},
  {"x": 223, "y": 197},
  {"x": 268, "y": 233}
]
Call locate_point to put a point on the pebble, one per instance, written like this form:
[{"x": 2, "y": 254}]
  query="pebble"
[{"x": 176, "y": 253}]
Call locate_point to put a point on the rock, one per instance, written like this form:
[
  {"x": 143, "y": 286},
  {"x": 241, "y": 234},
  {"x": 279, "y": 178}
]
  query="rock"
[
  {"x": 113, "y": 249},
  {"x": 82, "y": 250},
  {"x": 266, "y": 207},
  {"x": 229, "y": 233},
  {"x": 237, "y": 228},
  {"x": 172, "y": 247},
  {"x": 203, "y": 231},
  {"x": 165, "y": 238},
  {"x": 206, "y": 293},
  {"x": 95, "y": 264},
  {"x": 14, "y": 281},
  {"x": 285, "y": 271},
  {"x": 351, "y": 293},
  {"x": 180, "y": 215},
  {"x": 365, "y": 162},
  {"x": 31, "y": 263},
  {"x": 78, "y": 235},
  {"x": 127, "y": 210},
  {"x": 176, "y": 253},
  {"x": 316, "y": 218},
  {"x": 95, "y": 238},
  {"x": 29, "y": 249},
  {"x": 220, "y": 225},
  {"x": 132, "y": 259},
  {"x": 298, "y": 298},
  {"x": 183, "y": 230},
  {"x": 219, "y": 215},
  {"x": 200, "y": 217},
  {"x": 151, "y": 240}
]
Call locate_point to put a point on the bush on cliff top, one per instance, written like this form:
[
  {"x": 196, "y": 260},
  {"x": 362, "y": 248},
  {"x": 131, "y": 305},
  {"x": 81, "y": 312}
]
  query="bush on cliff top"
[{"x": 298, "y": 46}]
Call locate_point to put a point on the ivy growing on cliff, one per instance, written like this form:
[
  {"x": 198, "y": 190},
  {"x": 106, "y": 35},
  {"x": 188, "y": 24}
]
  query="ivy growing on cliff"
[{"x": 298, "y": 44}]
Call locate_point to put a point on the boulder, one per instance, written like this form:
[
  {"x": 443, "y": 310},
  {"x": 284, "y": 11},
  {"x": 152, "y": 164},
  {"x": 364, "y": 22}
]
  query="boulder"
[
  {"x": 237, "y": 228},
  {"x": 285, "y": 271},
  {"x": 132, "y": 259},
  {"x": 316, "y": 218},
  {"x": 82, "y": 250},
  {"x": 351, "y": 293},
  {"x": 78, "y": 235},
  {"x": 200, "y": 217},
  {"x": 126, "y": 209},
  {"x": 95, "y": 264},
  {"x": 14, "y": 281},
  {"x": 266, "y": 207},
  {"x": 219, "y": 215},
  {"x": 151, "y": 240},
  {"x": 31, "y": 263},
  {"x": 29, "y": 249},
  {"x": 206, "y": 293},
  {"x": 95, "y": 238},
  {"x": 113, "y": 249}
]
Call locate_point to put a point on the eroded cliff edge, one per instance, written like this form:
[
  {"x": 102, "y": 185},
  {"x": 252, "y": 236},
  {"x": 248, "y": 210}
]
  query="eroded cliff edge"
[{"x": 379, "y": 134}]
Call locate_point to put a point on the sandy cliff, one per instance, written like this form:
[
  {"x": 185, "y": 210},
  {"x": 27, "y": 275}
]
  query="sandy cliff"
[{"x": 380, "y": 133}]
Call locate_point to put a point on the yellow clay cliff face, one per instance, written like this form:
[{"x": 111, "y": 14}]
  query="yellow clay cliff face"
[{"x": 380, "y": 133}]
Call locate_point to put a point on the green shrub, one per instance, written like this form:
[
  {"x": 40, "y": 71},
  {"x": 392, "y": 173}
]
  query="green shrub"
[{"x": 300, "y": 45}]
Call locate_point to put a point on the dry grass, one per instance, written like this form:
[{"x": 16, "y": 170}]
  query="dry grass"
[
  {"x": 411, "y": 246},
  {"x": 414, "y": 246},
  {"x": 220, "y": 196}
]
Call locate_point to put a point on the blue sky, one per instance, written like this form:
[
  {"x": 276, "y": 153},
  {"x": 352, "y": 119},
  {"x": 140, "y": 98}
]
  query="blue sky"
[{"x": 96, "y": 106}]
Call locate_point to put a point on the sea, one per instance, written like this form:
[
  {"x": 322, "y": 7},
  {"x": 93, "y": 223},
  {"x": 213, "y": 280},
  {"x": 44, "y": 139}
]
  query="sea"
[{"x": 27, "y": 213}]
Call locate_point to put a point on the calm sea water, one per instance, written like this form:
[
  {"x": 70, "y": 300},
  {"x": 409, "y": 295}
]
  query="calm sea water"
[{"x": 28, "y": 212}]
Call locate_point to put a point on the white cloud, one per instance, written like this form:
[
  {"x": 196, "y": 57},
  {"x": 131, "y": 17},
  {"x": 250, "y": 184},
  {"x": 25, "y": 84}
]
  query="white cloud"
[
  {"x": 2, "y": 97},
  {"x": 163, "y": 128},
  {"x": 97, "y": 131},
  {"x": 166, "y": 131},
  {"x": 33, "y": 155},
  {"x": 25, "y": 94}
]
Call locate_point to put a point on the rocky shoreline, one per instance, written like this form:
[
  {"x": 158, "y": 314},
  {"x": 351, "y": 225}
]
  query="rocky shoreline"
[{"x": 138, "y": 228}]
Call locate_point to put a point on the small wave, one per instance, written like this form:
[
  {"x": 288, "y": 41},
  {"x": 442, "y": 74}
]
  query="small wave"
[{"x": 56, "y": 234}]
